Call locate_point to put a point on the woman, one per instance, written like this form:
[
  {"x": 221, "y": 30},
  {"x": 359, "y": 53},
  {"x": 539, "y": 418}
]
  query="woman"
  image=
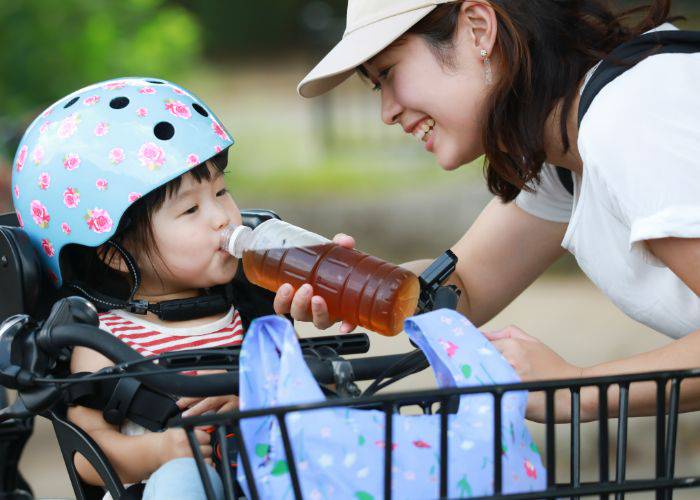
[{"x": 502, "y": 78}]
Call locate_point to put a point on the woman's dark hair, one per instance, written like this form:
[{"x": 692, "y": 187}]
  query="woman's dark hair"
[
  {"x": 134, "y": 232},
  {"x": 544, "y": 49}
]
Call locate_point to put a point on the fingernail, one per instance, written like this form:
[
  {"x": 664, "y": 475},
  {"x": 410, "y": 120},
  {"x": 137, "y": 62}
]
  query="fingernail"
[
  {"x": 316, "y": 302},
  {"x": 306, "y": 289},
  {"x": 186, "y": 413},
  {"x": 285, "y": 290}
]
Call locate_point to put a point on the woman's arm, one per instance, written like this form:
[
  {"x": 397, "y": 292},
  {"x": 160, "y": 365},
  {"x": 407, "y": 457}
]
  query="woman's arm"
[
  {"x": 682, "y": 256},
  {"x": 533, "y": 360},
  {"x": 500, "y": 255}
]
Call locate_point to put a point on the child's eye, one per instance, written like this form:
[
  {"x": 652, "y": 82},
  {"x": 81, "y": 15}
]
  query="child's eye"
[
  {"x": 191, "y": 210},
  {"x": 222, "y": 192}
]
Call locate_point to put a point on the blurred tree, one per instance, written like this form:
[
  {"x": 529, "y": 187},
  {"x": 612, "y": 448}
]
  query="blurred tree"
[
  {"x": 52, "y": 47},
  {"x": 242, "y": 28}
]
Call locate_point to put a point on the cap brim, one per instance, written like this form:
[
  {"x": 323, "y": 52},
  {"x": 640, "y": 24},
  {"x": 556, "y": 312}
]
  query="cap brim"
[{"x": 357, "y": 48}]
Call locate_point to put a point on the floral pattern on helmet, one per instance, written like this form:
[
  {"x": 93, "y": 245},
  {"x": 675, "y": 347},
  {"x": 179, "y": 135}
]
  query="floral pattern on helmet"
[
  {"x": 44, "y": 181},
  {"x": 38, "y": 154},
  {"x": 151, "y": 156},
  {"x": 98, "y": 220},
  {"x": 91, "y": 100},
  {"x": 21, "y": 158},
  {"x": 102, "y": 129},
  {"x": 71, "y": 197},
  {"x": 68, "y": 126},
  {"x": 40, "y": 214},
  {"x": 71, "y": 161},
  {"x": 116, "y": 155},
  {"x": 177, "y": 108},
  {"x": 47, "y": 247}
]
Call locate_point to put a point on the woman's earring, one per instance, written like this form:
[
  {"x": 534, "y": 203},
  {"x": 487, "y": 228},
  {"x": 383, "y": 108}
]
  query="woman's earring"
[{"x": 487, "y": 67}]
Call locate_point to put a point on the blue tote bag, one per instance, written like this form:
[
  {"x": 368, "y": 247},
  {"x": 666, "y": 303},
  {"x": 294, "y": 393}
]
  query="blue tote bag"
[{"x": 339, "y": 452}]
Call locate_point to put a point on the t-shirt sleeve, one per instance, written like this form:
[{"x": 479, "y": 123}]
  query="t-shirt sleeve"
[
  {"x": 549, "y": 199},
  {"x": 643, "y": 140}
]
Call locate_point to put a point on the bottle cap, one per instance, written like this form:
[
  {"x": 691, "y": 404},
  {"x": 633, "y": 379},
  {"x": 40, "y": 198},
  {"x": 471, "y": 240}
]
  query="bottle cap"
[{"x": 230, "y": 244}]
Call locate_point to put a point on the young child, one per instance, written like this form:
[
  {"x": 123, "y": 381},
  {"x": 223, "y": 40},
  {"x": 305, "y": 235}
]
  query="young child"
[{"x": 120, "y": 187}]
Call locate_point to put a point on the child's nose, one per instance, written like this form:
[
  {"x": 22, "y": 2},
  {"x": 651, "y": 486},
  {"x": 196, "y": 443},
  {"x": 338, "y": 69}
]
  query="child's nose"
[{"x": 220, "y": 218}]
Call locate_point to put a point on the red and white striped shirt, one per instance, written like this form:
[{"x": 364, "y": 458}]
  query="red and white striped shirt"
[{"x": 148, "y": 338}]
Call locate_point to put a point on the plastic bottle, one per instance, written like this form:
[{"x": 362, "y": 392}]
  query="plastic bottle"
[{"x": 357, "y": 287}]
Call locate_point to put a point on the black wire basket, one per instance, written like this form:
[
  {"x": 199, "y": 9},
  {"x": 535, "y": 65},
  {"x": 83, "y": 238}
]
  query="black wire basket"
[{"x": 663, "y": 481}]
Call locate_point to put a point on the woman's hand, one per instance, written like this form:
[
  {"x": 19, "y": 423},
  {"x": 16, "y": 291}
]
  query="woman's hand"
[
  {"x": 533, "y": 360},
  {"x": 303, "y": 305}
]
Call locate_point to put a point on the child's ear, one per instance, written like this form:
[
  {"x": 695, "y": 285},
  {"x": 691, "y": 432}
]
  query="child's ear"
[{"x": 112, "y": 258}]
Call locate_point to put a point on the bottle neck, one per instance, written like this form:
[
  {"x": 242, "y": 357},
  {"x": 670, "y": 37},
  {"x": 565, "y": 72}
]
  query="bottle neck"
[{"x": 235, "y": 239}]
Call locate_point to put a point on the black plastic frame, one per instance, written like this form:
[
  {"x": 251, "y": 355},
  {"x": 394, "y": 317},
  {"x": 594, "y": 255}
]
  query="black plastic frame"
[{"x": 668, "y": 386}]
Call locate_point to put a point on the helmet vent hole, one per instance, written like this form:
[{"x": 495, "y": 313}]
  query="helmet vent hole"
[
  {"x": 164, "y": 131},
  {"x": 157, "y": 82},
  {"x": 71, "y": 102},
  {"x": 199, "y": 109},
  {"x": 119, "y": 102}
]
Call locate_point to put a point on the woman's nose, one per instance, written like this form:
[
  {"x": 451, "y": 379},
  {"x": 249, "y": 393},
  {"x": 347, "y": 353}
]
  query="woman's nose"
[{"x": 391, "y": 109}]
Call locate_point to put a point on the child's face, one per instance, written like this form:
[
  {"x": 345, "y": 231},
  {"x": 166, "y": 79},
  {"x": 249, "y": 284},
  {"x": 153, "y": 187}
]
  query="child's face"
[{"x": 186, "y": 229}]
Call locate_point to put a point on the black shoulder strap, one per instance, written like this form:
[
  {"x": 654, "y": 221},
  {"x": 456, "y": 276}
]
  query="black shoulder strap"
[{"x": 621, "y": 59}]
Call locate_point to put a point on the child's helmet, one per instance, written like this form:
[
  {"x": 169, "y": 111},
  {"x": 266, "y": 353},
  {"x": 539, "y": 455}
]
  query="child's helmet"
[{"x": 85, "y": 159}]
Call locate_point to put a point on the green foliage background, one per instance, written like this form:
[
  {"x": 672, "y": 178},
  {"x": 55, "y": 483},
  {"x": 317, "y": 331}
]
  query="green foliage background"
[{"x": 52, "y": 46}]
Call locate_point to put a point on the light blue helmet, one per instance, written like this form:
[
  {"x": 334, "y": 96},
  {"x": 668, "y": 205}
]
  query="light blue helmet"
[{"x": 85, "y": 159}]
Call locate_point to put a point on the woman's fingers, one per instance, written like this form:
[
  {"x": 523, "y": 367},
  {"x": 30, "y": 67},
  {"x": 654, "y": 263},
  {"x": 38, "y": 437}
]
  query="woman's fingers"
[
  {"x": 319, "y": 310},
  {"x": 283, "y": 299},
  {"x": 300, "y": 308},
  {"x": 346, "y": 327},
  {"x": 509, "y": 332},
  {"x": 344, "y": 240}
]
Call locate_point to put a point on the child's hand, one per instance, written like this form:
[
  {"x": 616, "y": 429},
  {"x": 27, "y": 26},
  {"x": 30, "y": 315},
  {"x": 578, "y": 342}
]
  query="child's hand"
[
  {"x": 173, "y": 443},
  {"x": 303, "y": 305},
  {"x": 199, "y": 406}
]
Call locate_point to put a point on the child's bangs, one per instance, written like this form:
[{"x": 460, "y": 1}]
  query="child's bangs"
[{"x": 200, "y": 173}]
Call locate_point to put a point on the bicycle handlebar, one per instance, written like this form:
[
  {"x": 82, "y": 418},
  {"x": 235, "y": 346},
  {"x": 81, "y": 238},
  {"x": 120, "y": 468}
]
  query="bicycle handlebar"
[{"x": 91, "y": 337}]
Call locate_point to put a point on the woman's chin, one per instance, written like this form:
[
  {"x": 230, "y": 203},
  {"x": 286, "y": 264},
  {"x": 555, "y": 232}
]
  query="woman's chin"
[{"x": 448, "y": 163}]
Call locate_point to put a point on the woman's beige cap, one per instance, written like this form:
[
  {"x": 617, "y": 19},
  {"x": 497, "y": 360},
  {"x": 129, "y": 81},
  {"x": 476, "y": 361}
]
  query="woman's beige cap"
[{"x": 372, "y": 25}]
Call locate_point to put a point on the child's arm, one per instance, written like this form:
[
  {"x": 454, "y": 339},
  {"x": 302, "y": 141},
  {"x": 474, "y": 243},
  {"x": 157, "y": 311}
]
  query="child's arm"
[{"x": 134, "y": 458}]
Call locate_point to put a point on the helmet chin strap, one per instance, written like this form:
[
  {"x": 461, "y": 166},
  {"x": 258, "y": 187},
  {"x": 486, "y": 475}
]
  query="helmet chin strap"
[{"x": 218, "y": 299}]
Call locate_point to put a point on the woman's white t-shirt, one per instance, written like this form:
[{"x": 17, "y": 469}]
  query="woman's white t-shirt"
[{"x": 640, "y": 146}]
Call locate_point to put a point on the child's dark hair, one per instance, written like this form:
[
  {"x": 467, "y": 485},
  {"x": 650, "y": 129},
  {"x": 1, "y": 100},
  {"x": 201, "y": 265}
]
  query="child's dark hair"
[{"x": 134, "y": 232}]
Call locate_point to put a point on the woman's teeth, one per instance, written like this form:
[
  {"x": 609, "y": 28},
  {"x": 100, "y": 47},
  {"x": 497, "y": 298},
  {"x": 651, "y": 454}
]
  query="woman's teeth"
[{"x": 422, "y": 132}]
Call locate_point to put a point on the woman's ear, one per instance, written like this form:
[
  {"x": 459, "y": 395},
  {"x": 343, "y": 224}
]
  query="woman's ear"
[
  {"x": 478, "y": 24},
  {"x": 112, "y": 258}
]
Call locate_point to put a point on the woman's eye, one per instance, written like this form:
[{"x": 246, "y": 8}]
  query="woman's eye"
[
  {"x": 381, "y": 76},
  {"x": 191, "y": 210}
]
